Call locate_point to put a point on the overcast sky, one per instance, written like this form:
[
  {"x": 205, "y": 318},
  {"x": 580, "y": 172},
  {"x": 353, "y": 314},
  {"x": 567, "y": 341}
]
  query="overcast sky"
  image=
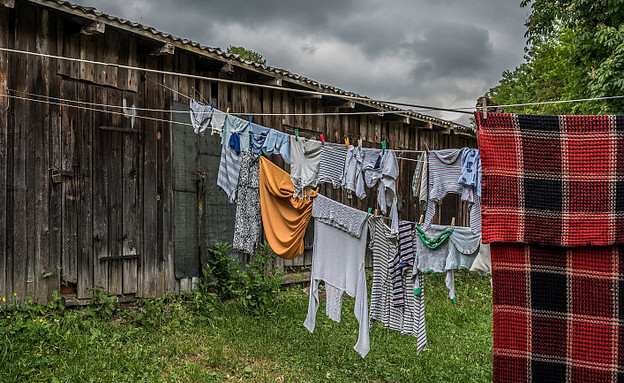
[{"x": 433, "y": 52}]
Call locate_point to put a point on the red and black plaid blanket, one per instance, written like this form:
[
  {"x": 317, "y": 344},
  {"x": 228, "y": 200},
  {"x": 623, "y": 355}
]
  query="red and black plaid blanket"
[{"x": 553, "y": 209}]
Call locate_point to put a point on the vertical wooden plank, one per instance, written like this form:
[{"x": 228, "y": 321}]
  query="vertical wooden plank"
[
  {"x": 24, "y": 40},
  {"x": 68, "y": 134},
  {"x": 5, "y": 289},
  {"x": 44, "y": 282},
  {"x": 103, "y": 179},
  {"x": 115, "y": 196},
  {"x": 267, "y": 107},
  {"x": 133, "y": 75},
  {"x": 131, "y": 220},
  {"x": 69, "y": 203},
  {"x": 150, "y": 179},
  {"x": 166, "y": 194},
  {"x": 85, "y": 141},
  {"x": 56, "y": 190}
]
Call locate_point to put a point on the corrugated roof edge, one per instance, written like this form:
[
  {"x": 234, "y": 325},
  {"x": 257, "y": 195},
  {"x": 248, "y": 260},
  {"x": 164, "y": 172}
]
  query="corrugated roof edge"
[{"x": 93, "y": 13}]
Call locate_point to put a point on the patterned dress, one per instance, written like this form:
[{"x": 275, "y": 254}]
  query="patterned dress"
[{"x": 248, "y": 222}]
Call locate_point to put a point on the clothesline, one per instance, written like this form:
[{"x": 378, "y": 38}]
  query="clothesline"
[
  {"x": 464, "y": 110},
  {"x": 145, "y": 117},
  {"x": 233, "y": 82}
]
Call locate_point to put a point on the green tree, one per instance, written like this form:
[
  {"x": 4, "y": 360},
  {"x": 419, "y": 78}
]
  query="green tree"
[
  {"x": 247, "y": 54},
  {"x": 575, "y": 50}
]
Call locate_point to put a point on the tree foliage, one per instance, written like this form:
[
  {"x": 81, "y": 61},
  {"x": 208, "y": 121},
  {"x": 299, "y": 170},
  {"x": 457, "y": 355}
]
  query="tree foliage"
[
  {"x": 575, "y": 50},
  {"x": 247, "y": 54}
]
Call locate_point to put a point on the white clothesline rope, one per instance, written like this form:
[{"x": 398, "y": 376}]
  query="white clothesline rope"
[
  {"x": 234, "y": 82},
  {"x": 466, "y": 110},
  {"x": 155, "y": 119}
]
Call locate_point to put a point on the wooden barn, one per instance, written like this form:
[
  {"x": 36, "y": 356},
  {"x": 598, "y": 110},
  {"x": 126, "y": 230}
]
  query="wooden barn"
[{"x": 102, "y": 181}]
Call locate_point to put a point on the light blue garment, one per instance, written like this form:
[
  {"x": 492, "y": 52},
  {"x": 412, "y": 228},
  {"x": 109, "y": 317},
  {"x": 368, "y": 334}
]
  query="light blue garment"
[
  {"x": 277, "y": 143},
  {"x": 471, "y": 169},
  {"x": 236, "y": 125},
  {"x": 464, "y": 249},
  {"x": 258, "y": 137}
]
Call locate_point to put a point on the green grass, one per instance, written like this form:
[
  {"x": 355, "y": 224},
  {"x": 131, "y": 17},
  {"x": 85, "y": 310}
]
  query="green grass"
[{"x": 173, "y": 343}]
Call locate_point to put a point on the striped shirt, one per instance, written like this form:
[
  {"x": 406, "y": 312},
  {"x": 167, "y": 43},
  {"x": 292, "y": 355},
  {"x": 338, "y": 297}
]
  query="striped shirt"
[
  {"x": 333, "y": 159},
  {"x": 229, "y": 168},
  {"x": 409, "y": 320},
  {"x": 420, "y": 187},
  {"x": 403, "y": 258},
  {"x": 444, "y": 172}
]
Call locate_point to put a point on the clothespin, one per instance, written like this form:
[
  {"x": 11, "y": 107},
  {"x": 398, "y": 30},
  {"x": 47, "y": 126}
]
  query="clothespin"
[
  {"x": 376, "y": 212},
  {"x": 452, "y": 223},
  {"x": 250, "y": 118},
  {"x": 360, "y": 142},
  {"x": 322, "y": 139},
  {"x": 427, "y": 147},
  {"x": 227, "y": 111},
  {"x": 212, "y": 105},
  {"x": 420, "y": 221},
  {"x": 347, "y": 142},
  {"x": 369, "y": 211},
  {"x": 484, "y": 106},
  {"x": 383, "y": 146},
  {"x": 297, "y": 133}
]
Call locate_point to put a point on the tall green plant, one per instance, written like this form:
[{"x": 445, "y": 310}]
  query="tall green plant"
[
  {"x": 260, "y": 283},
  {"x": 221, "y": 274}
]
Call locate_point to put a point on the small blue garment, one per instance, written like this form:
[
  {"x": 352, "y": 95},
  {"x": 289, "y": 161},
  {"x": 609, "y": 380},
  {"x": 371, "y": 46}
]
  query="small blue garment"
[
  {"x": 234, "y": 124},
  {"x": 258, "y": 137},
  {"x": 235, "y": 142},
  {"x": 277, "y": 143},
  {"x": 471, "y": 169}
]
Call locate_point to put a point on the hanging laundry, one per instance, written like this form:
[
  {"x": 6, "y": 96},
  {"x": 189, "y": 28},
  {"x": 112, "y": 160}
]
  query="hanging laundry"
[
  {"x": 431, "y": 249},
  {"x": 420, "y": 182},
  {"x": 340, "y": 234},
  {"x": 471, "y": 170},
  {"x": 442, "y": 249},
  {"x": 229, "y": 169},
  {"x": 352, "y": 179},
  {"x": 235, "y": 143},
  {"x": 234, "y": 124},
  {"x": 258, "y": 135},
  {"x": 483, "y": 262},
  {"x": 444, "y": 171},
  {"x": 553, "y": 212},
  {"x": 277, "y": 143},
  {"x": 463, "y": 249},
  {"x": 305, "y": 158},
  {"x": 248, "y": 221},
  {"x": 372, "y": 165},
  {"x": 332, "y": 164},
  {"x": 404, "y": 257},
  {"x": 284, "y": 218},
  {"x": 204, "y": 117},
  {"x": 409, "y": 320},
  {"x": 386, "y": 191}
]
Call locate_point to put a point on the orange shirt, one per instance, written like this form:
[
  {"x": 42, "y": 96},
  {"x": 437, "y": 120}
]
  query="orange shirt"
[{"x": 284, "y": 218}]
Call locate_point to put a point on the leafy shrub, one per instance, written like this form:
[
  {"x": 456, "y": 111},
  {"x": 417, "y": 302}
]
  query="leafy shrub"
[
  {"x": 260, "y": 283},
  {"x": 102, "y": 304},
  {"x": 221, "y": 273}
]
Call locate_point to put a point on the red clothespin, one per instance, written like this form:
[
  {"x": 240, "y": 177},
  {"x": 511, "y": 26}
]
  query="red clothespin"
[{"x": 322, "y": 139}]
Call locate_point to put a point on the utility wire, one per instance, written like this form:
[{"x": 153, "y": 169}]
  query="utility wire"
[
  {"x": 465, "y": 110},
  {"x": 233, "y": 82}
]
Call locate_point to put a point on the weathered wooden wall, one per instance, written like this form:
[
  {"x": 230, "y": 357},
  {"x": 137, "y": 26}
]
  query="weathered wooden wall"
[{"x": 110, "y": 221}]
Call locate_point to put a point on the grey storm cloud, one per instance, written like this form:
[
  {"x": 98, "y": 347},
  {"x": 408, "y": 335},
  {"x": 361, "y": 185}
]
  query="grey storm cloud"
[{"x": 433, "y": 52}]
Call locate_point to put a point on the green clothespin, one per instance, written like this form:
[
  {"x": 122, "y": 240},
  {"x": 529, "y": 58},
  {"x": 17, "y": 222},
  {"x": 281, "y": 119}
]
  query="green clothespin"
[
  {"x": 369, "y": 211},
  {"x": 383, "y": 145},
  {"x": 297, "y": 133}
]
